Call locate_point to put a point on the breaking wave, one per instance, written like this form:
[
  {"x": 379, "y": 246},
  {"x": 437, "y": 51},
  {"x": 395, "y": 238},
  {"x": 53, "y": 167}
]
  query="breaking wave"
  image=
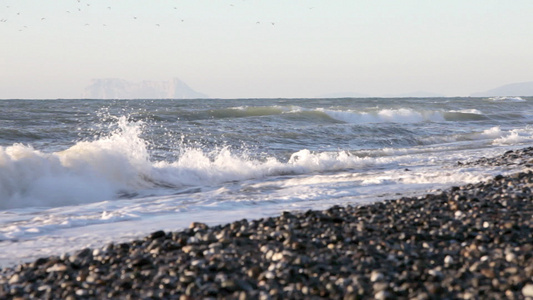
[
  {"x": 402, "y": 115},
  {"x": 405, "y": 115},
  {"x": 120, "y": 164}
]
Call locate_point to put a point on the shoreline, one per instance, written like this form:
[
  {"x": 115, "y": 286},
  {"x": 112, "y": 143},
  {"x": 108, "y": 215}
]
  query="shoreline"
[{"x": 473, "y": 241}]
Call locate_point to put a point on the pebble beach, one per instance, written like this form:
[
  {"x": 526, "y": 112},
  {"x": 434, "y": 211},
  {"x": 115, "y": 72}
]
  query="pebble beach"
[{"x": 466, "y": 242}]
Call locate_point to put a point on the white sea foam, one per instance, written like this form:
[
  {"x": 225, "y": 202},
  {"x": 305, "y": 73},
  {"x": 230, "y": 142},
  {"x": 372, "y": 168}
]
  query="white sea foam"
[
  {"x": 503, "y": 137},
  {"x": 86, "y": 172},
  {"x": 515, "y": 136}
]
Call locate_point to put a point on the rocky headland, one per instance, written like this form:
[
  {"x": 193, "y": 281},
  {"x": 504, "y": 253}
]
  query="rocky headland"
[{"x": 468, "y": 242}]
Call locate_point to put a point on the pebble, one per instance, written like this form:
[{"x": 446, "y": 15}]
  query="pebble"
[
  {"x": 376, "y": 276},
  {"x": 57, "y": 268},
  {"x": 15, "y": 279},
  {"x": 527, "y": 290},
  {"x": 448, "y": 260}
]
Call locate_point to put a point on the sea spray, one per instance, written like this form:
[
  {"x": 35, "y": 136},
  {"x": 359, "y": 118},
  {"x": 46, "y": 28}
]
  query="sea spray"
[{"x": 89, "y": 171}]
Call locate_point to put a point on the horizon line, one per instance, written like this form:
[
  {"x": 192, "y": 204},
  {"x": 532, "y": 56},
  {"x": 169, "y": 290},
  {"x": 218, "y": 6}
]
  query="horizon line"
[{"x": 256, "y": 98}]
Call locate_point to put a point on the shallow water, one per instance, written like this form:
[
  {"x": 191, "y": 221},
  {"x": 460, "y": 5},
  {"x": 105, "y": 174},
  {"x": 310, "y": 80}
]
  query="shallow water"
[{"x": 77, "y": 173}]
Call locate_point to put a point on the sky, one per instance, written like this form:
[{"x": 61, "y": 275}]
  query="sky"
[{"x": 266, "y": 49}]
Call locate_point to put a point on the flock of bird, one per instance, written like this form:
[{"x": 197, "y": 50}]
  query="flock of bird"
[{"x": 86, "y": 6}]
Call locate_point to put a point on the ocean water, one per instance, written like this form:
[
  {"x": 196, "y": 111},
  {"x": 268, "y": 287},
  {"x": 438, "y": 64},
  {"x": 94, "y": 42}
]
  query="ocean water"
[{"x": 83, "y": 173}]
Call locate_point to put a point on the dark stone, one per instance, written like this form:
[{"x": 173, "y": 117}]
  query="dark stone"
[{"x": 156, "y": 235}]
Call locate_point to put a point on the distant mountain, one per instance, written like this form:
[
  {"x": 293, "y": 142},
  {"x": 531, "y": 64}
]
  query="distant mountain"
[
  {"x": 513, "y": 89},
  {"x": 114, "y": 88}
]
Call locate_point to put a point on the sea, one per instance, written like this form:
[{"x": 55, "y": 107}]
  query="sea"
[{"x": 85, "y": 173}]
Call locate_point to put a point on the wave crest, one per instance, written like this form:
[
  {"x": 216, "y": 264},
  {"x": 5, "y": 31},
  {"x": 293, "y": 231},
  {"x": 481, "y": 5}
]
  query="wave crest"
[{"x": 404, "y": 115}]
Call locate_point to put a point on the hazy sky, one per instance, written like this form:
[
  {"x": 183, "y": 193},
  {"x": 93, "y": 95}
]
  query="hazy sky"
[{"x": 270, "y": 48}]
